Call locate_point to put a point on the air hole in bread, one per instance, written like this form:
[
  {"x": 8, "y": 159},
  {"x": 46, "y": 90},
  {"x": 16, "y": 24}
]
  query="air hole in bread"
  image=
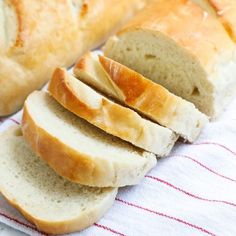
[
  {"x": 128, "y": 49},
  {"x": 175, "y": 114},
  {"x": 150, "y": 56},
  {"x": 195, "y": 91},
  {"x": 198, "y": 124},
  {"x": 18, "y": 132}
]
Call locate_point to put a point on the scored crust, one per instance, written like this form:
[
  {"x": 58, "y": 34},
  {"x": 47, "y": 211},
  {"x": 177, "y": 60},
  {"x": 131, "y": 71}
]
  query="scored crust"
[
  {"x": 225, "y": 10},
  {"x": 34, "y": 47}
]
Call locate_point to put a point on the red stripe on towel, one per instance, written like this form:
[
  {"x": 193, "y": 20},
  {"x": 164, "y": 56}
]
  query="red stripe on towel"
[
  {"x": 188, "y": 193},
  {"x": 15, "y": 121},
  {"x": 167, "y": 216},
  {"x": 109, "y": 229},
  {"x": 215, "y": 144},
  {"x": 22, "y": 223},
  {"x": 205, "y": 167},
  {"x": 44, "y": 234}
]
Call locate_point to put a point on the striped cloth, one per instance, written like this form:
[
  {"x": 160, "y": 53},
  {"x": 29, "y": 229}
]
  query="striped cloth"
[{"x": 191, "y": 192}]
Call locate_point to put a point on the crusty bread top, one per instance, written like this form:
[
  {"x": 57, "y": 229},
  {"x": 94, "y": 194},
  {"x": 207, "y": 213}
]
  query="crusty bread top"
[
  {"x": 35, "y": 38},
  {"x": 188, "y": 25},
  {"x": 226, "y": 11},
  {"x": 110, "y": 13},
  {"x": 53, "y": 204},
  {"x": 109, "y": 116},
  {"x": 29, "y": 39},
  {"x": 29, "y": 43},
  {"x": 204, "y": 4}
]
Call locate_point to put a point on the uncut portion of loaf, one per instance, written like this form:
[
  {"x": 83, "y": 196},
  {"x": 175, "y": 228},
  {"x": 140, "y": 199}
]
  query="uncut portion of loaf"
[
  {"x": 109, "y": 116},
  {"x": 38, "y": 35},
  {"x": 79, "y": 151},
  {"x": 193, "y": 57},
  {"x": 141, "y": 94},
  {"x": 53, "y": 204},
  {"x": 223, "y": 9}
]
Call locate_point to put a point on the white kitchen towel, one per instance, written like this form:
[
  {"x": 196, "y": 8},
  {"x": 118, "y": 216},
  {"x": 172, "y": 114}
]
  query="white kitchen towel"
[{"x": 191, "y": 192}]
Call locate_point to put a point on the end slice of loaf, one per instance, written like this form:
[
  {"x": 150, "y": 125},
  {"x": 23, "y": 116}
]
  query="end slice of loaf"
[
  {"x": 141, "y": 94},
  {"x": 111, "y": 117},
  {"x": 53, "y": 204},
  {"x": 193, "y": 57},
  {"x": 79, "y": 151}
]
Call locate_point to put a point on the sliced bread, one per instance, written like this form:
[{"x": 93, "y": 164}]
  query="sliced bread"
[
  {"x": 79, "y": 151},
  {"x": 111, "y": 117},
  {"x": 142, "y": 94},
  {"x": 53, "y": 204},
  {"x": 183, "y": 48}
]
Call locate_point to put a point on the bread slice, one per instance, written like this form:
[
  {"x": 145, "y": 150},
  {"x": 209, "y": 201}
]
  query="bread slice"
[
  {"x": 53, "y": 204},
  {"x": 141, "y": 94},
  {"x": 111, "y": 117},
  {"x": 79, "y": 151},
  {"x": 193, "y": 57},
  {"x": 223, "y": 9}
]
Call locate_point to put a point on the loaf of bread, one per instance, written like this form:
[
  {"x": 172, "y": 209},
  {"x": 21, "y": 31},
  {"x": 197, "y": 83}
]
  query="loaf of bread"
[
  {"x": 109, "y": 116},
  {"x": 225, "y": 10},
  {"x": 141, "y": 94},
  {"x": 53, "y": 204},
  {"x": 37, "y": 36},
  {"x": 182, "y": 47},
  {"x": 79, "y": 151}
]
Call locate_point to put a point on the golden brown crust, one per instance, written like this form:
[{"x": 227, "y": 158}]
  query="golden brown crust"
[
  {"x": 81, "y": 63},
  {"x": 17, "y": 7},
  {"x": 38, "y": 48},
  {"x": 107, "y": 13},
  {"x": 63, "y": 92},
  {"x": 108, "y": 116},
  {"x": 66, "y": 162},
  {"x": 60, "y": 88},
  {"x": 82, "y": 167},
  {"x": 140, "y": 92},
  {"x": 173, "y": 20},
  {"x": 84, "y": 220},
  {"x": 226, "y": 11},
  {"x": 41, "y": 46}
]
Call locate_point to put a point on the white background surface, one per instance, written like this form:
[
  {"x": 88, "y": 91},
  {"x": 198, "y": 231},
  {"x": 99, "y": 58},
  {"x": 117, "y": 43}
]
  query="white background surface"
[{"x": 7, "y": 231}]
